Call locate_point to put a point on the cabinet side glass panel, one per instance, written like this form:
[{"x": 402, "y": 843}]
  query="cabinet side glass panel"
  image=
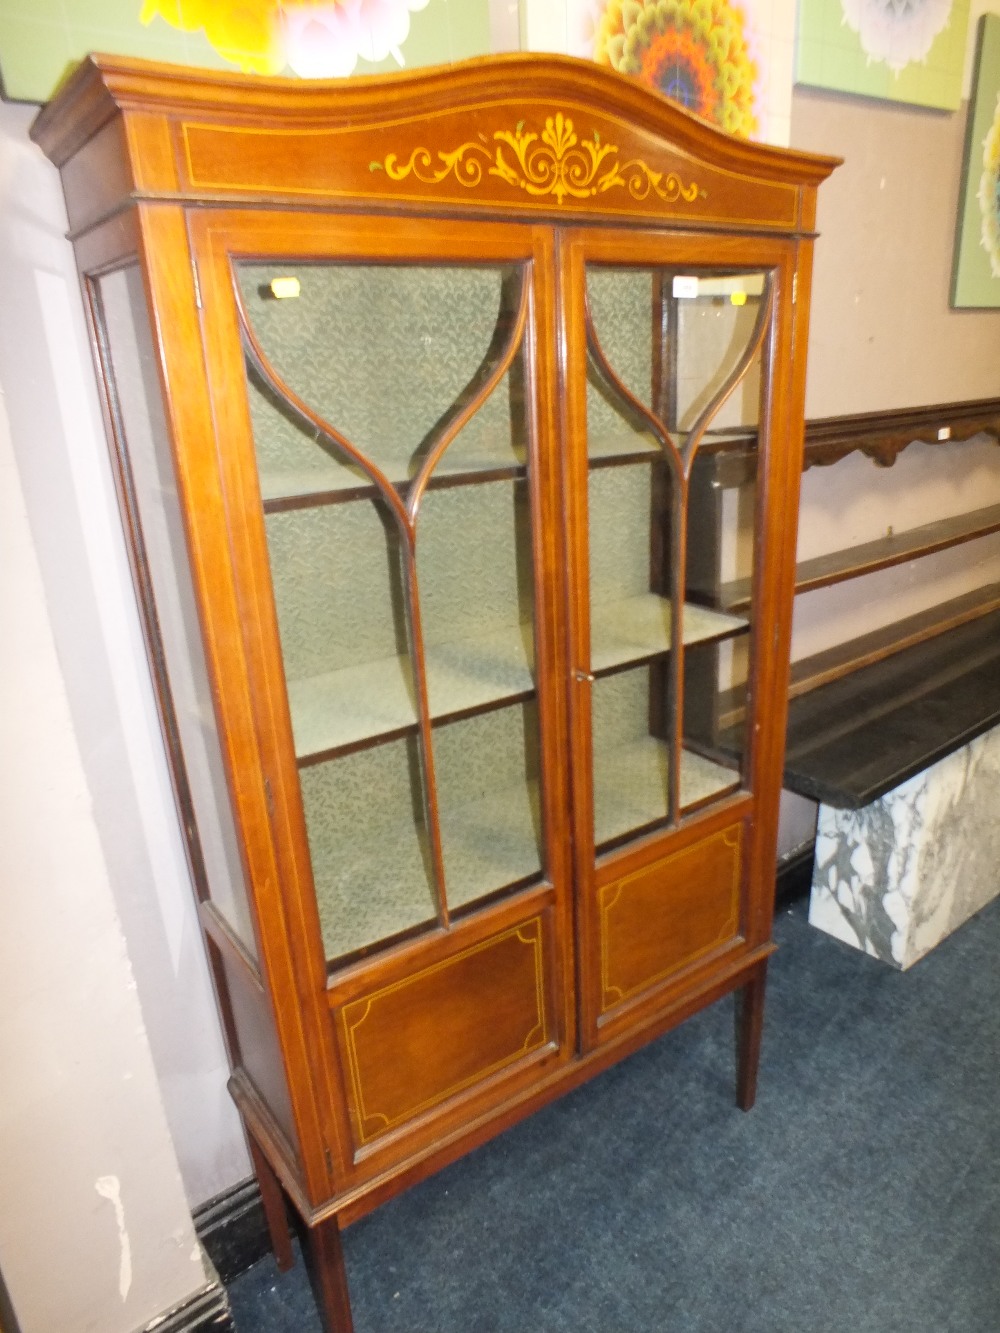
[
  {"x": 673, "y": 380},
  {"x": 121, "y": 311},
  {"x": 391, "y": 434}
]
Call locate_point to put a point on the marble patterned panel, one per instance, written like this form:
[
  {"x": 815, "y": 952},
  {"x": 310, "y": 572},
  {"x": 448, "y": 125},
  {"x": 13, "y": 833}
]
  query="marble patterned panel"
[{"x": 897, "y": 876}]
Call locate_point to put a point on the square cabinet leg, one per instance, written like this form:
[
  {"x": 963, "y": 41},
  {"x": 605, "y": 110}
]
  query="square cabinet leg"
[
  {"x": 274, "y": 1208},
  {"x": 749, "y": 1025},
  {"x": 325, "y": 1265}
]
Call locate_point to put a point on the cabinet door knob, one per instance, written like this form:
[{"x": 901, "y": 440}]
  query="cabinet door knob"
[{"x": 584, "y": 676}]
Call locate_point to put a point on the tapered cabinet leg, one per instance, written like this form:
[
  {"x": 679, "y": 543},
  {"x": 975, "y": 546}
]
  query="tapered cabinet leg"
[
  {"x": 325, "y": 1264},
  {"x": 749, "y": 1026},
  {"x": 274, "y": 1209}
]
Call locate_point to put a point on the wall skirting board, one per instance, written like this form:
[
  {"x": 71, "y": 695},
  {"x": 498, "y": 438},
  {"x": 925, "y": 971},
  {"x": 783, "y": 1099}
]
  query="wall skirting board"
[
  {"x": 794, "y": 876},
  {"x": 205, "y": 1312},
  {"x": 232, "y": 1229}
]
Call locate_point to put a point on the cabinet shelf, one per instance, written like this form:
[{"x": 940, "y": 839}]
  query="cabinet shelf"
[
  {"x": 630, "y": 786},
  {"x": 298, "y": 488},
  {"x": 338, "y": 711},
  {"x": 491, "y": 842},
  {"x": 347, "y": 709},
  {"x": 628, "y": 447},
  {"x": 636, "y": 629}
]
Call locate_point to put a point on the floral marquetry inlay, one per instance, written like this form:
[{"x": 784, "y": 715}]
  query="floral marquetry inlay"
[{"x": 555, "y": 162}]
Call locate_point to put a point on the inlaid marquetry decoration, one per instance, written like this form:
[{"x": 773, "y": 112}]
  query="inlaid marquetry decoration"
[
  {"x": 664, "y": 917},
  {"x": 416, "y": 1042},
  {"x": 554, "y": 162}
]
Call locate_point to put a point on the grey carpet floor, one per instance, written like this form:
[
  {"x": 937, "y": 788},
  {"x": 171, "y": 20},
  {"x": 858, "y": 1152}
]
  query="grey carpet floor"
[{"x": 862, "y": 1194}]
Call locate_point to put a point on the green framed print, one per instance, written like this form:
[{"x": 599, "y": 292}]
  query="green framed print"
[
  {"x": 976, "y": 274},
  {"x": 912, "y": 52}
]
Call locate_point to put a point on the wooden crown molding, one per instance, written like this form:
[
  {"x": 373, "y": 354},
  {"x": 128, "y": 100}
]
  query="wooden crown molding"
[{"x": 102, "y": 82}]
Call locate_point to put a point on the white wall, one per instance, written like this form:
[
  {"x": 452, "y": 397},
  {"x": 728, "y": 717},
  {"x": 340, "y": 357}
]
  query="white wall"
[
  {"x": 883, "y": 335},
  {"x": 95, "y": 1231},
  {"x": 108, "y": 720}
]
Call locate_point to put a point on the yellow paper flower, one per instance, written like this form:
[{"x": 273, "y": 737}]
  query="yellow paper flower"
[
  {"x": 247, "y": 34},
  {"x": 314, "y": 38}
]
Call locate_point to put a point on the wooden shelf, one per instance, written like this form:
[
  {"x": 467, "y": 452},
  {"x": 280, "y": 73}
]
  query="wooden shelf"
[
  {"x": 491, "y": 842},
  {"x": 729, "y": 452},
  {"x": 869, "y": 557},
  {"x": 896, "y": 549},
  {"x": 347, "y": 709},
  {"x": 630, "y": 786},
  {"x": 820, "y": 669},
  {"x": 638, "y": 628},
  {"x": 343, "y": 710},
  {"x": 629, "y": 447},
  {"x": 730, "y": 456},
  {"x": 808, "y": 673}
]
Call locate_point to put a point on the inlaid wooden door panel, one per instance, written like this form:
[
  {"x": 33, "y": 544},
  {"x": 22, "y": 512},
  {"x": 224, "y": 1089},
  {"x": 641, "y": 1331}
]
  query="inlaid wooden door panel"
[
  {"x": 411, "y": 1045},
  {"x": 660, "y": 919}
]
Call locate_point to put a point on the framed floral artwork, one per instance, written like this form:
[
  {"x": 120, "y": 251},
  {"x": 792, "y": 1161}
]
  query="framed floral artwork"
[
  {"x": 911, "y": 51},
  {"x": 729, "y": 61},
  {"x": 40, "y": 40},
  {"x": 976, "y": 274}
]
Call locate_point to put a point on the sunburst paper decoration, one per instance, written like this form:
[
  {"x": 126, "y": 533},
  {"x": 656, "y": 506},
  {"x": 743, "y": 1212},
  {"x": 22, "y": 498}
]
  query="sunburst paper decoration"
[
  {"x": 311, "y": 38},
  {"x": 701, "y": 53},
  {"x": 728, "y": 61},
  {"x": 976, "y": 280}
]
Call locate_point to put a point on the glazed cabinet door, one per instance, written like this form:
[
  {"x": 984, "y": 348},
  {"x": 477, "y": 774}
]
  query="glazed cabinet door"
[
  {"x": 382, "y": 398},
  {"x": 671, "y": 357}
]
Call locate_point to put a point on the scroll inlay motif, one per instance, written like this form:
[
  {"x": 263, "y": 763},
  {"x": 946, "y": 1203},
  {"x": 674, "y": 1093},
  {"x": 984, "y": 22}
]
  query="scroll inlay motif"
[{"x": 556, "y": 162}]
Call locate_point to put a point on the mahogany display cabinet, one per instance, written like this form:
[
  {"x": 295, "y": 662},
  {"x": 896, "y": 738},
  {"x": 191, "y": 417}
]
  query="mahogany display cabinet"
[{"x": 406, "y": 380}]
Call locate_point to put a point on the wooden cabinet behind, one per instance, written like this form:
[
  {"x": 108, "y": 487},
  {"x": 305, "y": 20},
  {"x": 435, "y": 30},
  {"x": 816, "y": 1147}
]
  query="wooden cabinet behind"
[{"x": 406, "y": 409}]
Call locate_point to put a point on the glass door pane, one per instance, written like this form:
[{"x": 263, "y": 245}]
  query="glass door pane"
[
  {"x": 672, "y": 388},
  {"x": 392, "y": 432}
]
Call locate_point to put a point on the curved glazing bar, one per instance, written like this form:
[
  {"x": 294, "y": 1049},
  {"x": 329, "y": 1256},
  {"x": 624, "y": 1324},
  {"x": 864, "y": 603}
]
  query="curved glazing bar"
[
  {"x": 476, "y": 570},
  {"x": 761, "y": 325},
  {"x": 504, "y": 347}
]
